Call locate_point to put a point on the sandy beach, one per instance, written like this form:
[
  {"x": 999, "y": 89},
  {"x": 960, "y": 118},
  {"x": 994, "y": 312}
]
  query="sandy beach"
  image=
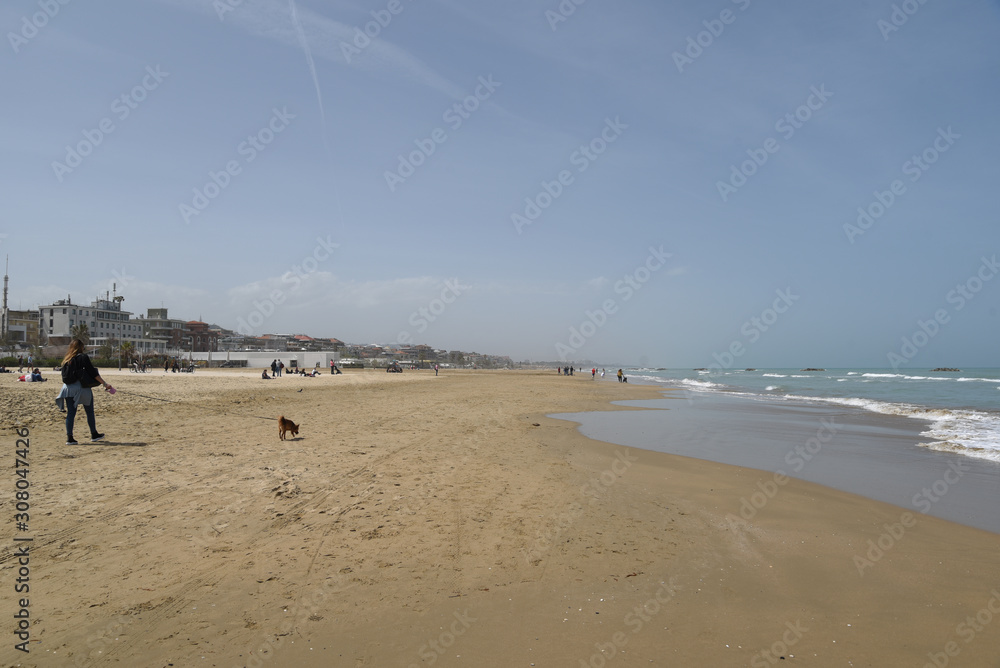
[{"x": 446, "y": 521}]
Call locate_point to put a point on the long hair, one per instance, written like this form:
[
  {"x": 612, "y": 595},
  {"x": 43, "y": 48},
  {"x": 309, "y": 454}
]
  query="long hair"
[{"x": 75, "y": 348}]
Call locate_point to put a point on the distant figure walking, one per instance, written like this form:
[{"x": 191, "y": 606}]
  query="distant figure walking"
[
  {"x": 436, "y": 369},
  {"x": 593, "y": 373},
  {"x": 619, "y": 375}
]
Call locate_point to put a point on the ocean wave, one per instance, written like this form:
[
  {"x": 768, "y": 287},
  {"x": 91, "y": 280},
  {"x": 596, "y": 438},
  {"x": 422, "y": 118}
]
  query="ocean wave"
[
  {"x": 882, "y": 375},
  {"x": 967, "y": 432},
  {"x": 653, "y": 379},
  {"x": 700, "y": 384},
  {"x": 774, "y": 375},
  {"x": 959, "y": 449}
]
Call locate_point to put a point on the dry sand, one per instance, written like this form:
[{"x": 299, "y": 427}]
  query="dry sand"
[{"x": 444, "y": 521}]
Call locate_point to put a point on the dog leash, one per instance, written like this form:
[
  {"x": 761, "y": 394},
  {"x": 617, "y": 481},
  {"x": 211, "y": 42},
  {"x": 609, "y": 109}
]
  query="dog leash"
[{"x": 174, "y": 401}]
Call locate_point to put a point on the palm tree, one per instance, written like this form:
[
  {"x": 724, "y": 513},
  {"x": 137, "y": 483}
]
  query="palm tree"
[
  {"x": 127, "y": 350},
  {"x": 81, "y": 332}
]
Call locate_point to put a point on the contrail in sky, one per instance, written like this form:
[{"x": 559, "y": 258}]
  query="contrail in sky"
[{"x": 312, "y": 68}]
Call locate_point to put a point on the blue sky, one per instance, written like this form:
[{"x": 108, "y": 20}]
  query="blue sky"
[{"x": 613, "y": 120}]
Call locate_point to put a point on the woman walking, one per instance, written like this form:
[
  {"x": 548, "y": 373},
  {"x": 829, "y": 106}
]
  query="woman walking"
[{"x": 79, "y": 375}]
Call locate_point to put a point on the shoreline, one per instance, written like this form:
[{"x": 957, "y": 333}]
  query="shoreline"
[
  {"x": 465, "y": 537},
  {"x": 849, "y": 449}
]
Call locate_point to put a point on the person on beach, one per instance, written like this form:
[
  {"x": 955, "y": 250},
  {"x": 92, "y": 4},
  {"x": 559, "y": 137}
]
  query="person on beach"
[
  {"x": 166, "y": 366},
  {"x": 264, "y": 376},
  {"x": 36, "y": 376},
  {"x": 274, "y": 368},
  {"x": 435, "y": 369},
  {"x": 619, "y": 375},
  {"x": 593, "y": 373},
  {"x": 79, "y": 376},
  {"x": 281, "y": 368}
]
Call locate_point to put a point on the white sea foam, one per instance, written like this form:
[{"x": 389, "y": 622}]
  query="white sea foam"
[
  {"x": 965, "y": 432},
  {"x": 882, "y": 375},
  {"x": 774, "y": 375},
  {"x": 700, "y": 384}
]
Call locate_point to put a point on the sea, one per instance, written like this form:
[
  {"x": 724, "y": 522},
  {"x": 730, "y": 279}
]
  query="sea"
[
  {"x": 924, "y": 440},
  {"x": 959, "y": 410}
]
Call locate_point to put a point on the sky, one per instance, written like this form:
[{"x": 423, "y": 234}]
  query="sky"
[{"x": 737, "y": 183}]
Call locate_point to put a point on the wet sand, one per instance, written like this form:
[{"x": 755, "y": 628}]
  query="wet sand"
[
  {"x": 846, "y": 448},
  {"x": 447, "y": 521}
]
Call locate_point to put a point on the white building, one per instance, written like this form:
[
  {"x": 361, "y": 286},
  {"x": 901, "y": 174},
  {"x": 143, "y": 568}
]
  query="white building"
[
  {"x": 105, "y": 321},
  {"x": 258, "y": 360}
]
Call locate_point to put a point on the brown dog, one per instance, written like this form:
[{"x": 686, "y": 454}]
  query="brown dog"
[{"x": 285, "y": 425}]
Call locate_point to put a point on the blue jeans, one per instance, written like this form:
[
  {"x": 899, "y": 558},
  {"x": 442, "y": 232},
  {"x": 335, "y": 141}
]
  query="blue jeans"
[{"x": 71, "y": 416}]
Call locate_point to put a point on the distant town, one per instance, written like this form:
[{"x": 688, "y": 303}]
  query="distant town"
[{"x": 111, "y": 331}]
